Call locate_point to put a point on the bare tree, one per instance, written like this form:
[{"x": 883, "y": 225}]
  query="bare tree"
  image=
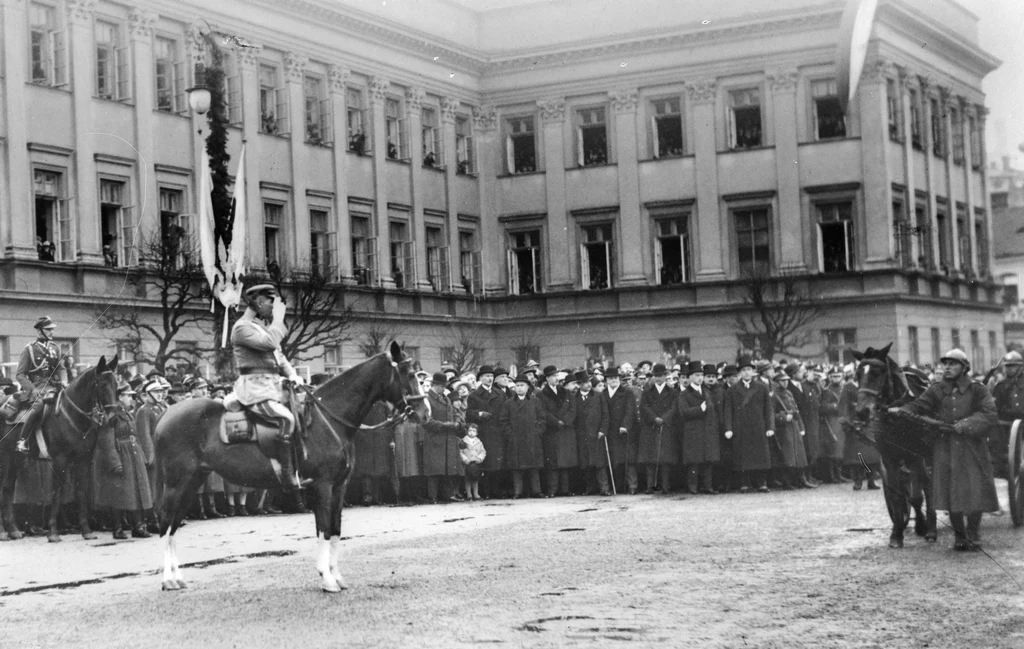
[
  {"x": 779, "y": 314},
  {"x": 171, "y": 275},
  {"x": 465, "y": 347},
  {"x": 377, "y": 332}
]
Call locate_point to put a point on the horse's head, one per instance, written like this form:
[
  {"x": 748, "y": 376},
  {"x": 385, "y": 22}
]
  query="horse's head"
[
  {"x": 874, "y": 380},
  {"x": 104, "y": 388},
  {"x": 403, "y": 389}
]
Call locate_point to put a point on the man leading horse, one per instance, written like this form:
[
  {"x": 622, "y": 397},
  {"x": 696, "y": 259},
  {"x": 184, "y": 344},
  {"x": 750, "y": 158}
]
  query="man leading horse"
[{"x": 42, "y": 372}]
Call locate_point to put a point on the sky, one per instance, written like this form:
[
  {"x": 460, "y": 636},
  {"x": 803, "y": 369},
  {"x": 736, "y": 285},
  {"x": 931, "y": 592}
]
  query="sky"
[{"x": 1001, "y": 33}]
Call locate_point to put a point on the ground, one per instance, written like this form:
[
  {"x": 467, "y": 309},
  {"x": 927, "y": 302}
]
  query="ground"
[{"x": 786, "y": 569}]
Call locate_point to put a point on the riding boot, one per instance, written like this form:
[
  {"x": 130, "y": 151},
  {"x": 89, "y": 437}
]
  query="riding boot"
[
  {"x": 119, "y": 533},
  {"x": 29, "y": 426},
  {"x": 802, "y": 481},
  {"x": 973, "y": 526},
  {"x": 837, "y": 471},
  {"x": 289, "y": 479},
  {"x": 956, "y": 521},
  {"x": 212, "y": 510},
  {"x": 202, "y": 509}
]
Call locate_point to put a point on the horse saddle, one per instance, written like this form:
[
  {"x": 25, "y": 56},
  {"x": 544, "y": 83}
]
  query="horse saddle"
[{"x": 242, "y": 425}]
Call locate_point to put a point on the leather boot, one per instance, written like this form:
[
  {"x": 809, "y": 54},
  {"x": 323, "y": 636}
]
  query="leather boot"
[
  {"x": 973, "y": 530},
  {"x": 202, "y": 509},
  {"x": 212, "y": 510},
  {"x": 837, "y": 472},
  {"x": 289, "y": 479},
  {"x": 956, "y": 520}
]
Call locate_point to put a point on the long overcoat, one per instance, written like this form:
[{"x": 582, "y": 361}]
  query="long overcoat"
[
  {"x": 146, "y": 418},
  {"x": 622, "y": 414},
  {"x": 654, "y": 404},
  {"x": 748, "y": 414},
  {"x": 522, "y": 422},
  {"x": 855, "y": 448},
  {"x": 591, "y": 419},
  {"x": 488, "y": 429},
  {"x": 408, "y": 436},
  {"x": 833, "y": 437},
  {"x": 700, "y": 428},
  {"x": 808, "y": 401},
  {"x": 962, "y": 476},
  {"x": 117, "y": 448},
  {"x": 790, "y": 442},
  {"x": 441, "y": 439},
  {"x": 373, "y": 447},
  {"x": 558, "y": 453}
]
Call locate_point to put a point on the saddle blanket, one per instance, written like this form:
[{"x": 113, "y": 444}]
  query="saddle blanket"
[{"x": 245, "y": 428}]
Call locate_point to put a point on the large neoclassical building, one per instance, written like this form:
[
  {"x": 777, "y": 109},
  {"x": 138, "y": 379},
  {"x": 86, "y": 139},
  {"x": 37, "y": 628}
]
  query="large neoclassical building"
[{"x": 566, "y": 180}]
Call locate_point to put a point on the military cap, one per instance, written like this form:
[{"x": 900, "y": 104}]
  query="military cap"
[
  {"x": 528, "y": 370},
  {"x": 1012, "y": 358},
  {"x": 260, "y": 289},
  {"x": 124, "y": 388},
  {"x": 45, "y": 322},
  {"x": 763, "y": 366}
]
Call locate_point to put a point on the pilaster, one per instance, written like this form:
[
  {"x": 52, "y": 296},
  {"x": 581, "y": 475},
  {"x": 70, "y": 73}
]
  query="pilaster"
[
  {"x": 552, "y": 117},
  {"x": 414, "y": 98},
  {"x": 17, "y": 235},
  {"x": 632, "y": 228},
  {"x": 876, "y": 230},
  {"x": 84, "y": 190},
  {"x": 966, "y": 109},
  {"x": 946, "y": 169},
  {"x": 986, "y": 263},
  {"x": 905, "y": 77},
  {"x": 492, "y": 238},
  {"x": 337, "y": 78},
  {"x": 793, "y": 231},
  {"x": 140, "y": 28},
  {"x": 378, "y": 93},
  {"x": 298, "y": 235},
  {"x": 449, "y": 110},
  {"x": 248, "y": 62},
  {"x": 925, "y": 83},
  {"x": 712, "y": 258}
]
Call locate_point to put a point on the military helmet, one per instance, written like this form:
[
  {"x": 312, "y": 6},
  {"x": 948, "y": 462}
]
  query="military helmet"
[
  {"x": 957, "y": 355},
  {"x": 1013, "y": 358}
]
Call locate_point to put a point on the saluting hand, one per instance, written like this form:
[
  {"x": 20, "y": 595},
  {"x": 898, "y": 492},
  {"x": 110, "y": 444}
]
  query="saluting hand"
[{"x": 279, "y": 308}]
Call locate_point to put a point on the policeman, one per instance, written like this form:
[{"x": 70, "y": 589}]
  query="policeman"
[
  {"x": 1009, "y": 394},
  {"x": 256, "y": 340},
  {"x": 42, "y": 373}
]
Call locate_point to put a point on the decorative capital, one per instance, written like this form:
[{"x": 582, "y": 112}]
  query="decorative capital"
[
  {"x": 249, "y": 55},
  {"x": 140, "y": 24},
  {"x": 552, "y": 110},
  {"x": 414, "y": 98},
  {"x": 337, "y": 77},
  {"x": 879, "y": 70},
  {"x": 81, "y": 11},
  {"x": 485, "y": 118},
  {"x": 195, "y": 43},
  {"x": 449, "y": 106},
  {"x": 295, "y": 66},
  {"x": 946, "y": 98},
  {"x": 905, "y": 74},
  {"x": 624, "y": 101},
  {"x": 783, "y": 80},
  {"x": 704, "y": 90},
  {"x": 982, "y": 112},
  {"x": 378, "y": 88},
  {"x": 925, "y": 82}
]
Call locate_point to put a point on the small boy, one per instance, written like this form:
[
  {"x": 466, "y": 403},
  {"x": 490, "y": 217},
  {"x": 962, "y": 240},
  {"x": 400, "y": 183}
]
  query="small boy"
[{"x": 473, "y": 453}]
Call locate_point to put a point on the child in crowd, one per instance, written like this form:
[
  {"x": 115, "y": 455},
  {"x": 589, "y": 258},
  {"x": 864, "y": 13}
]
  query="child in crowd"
[{"x": 473, "y": 455}]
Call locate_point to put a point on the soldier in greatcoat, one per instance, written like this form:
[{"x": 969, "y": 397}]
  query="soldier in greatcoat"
[
  {"x": 374, "y": 457},
  {"x": 523, "y": 421},
  {"x": 807, "y": 395},
  {"x": 1009, "y": 393},
  {"x": 748, "y": 415},
  {"x": 963, "y": 482},
  {"x": 557, "y": 417},
  {"x": 698, "y": 423},
  {"x": 441, "y": 459},
  {"x": 790, "y": 431},
  {"x": 857, "y": 453},
  {"x": 119, "y": 475},
  {"x": 623, "y": 431},
  {"x": 658, "y": 448},
  {"x": 591, "y": 430},
  {"x": 483, "y": 408}
]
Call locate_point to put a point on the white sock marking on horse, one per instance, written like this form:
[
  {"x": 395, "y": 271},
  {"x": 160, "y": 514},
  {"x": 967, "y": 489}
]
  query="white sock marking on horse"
[
  {"x": 335, "y": 559},
  {"x": 165, "y": 541},
  {"x": 323, "y": 566},
  {"x": 174, "y": 559}
]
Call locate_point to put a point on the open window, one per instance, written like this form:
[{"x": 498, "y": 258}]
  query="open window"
[
  {"x": 520, "y": 145},
  {"x": 464, "y": 152},
  {"x": 672, "y": 250},
  {"x": 667, "y": 128},
  {"x": 48, "y": 49},
  {"x": 829, "y": 121},
  {"x": 470, "y": 265},
  {"x": 433, "y": 139},
  {"x": 437, "y": 259},
  {"x": 524, "y": 257},
  {"x": 596, "y": 257},
  {"x": 835, "y": 236},
  {"x": 591, "y": 137},
  {"x": 403, "y": 259},
  {"x": 117, "y": 230},
  {"x": 396, "y": 130},
  {"x": 362, "y": 250},
  {"x": 357, "y": 122},
  {"x": 745, "y": 118}
]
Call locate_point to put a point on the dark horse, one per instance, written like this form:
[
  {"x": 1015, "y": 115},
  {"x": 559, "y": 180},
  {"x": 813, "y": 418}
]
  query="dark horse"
[
  {"x": 904, "y": 441},
  {"x": 70, "y": 434},
  {"x": 188, "y": 447}
]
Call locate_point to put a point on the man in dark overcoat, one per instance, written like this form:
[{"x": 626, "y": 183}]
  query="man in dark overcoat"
[
  {"x": 441, "y": 459},
  {"x": 557, "y": 415},
  {"x": 808, "y": 398},
  {"x": 725, "y": 373},
  {"x": 482, "y": 409},
  {"x": 698, "y": 423},
  {"x": 789, "y": 431},
  {"x": 622, "y": 428},
  {"x": 658, "y": 448},
  {"x": 591, "y": 424},
  {"x": 522, "y": 422},
  {"x": 833, "y": 435},
  {"x": 963, "y": 482},
  {"x": 748, "y": 415}
]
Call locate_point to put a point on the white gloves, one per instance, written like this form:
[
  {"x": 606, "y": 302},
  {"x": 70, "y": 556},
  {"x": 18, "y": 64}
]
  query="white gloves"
[
  {"x": 278, "y": 309},
  {"x": 704, "y": 406},
  {"x": 622, "y": 431},
  {"x": 728, "y": 434},
  {"x": 770, "y": 433},
  {"x": 789, "y": 417}
]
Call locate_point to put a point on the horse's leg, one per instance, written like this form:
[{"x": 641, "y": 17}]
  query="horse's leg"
[
  {"x": 60, "y": 476},
  {"x": 917, "y": 489},
  {"x": 336, "y": 507},
  {"x": 84, "y": 475},
  {"x": 9, "y": 469},
  {"x": 323, "y": 511},
  {"x": 926, "y": 485},
  {"x": 174, "y": 502},
  {"x": 895, "y": 502}
]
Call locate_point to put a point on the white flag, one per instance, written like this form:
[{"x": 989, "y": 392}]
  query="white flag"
[
  {"x": 207, "y": 236},
  {"x": 234, "y": 259}
]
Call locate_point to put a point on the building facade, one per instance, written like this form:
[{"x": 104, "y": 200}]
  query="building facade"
[
  {"x": 1006, "y": 186},
  {"x": 545, "y": 186}
]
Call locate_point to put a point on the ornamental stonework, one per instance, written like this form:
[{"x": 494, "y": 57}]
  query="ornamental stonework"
[
  {"x": 81, "y": 10},
  {"x": 485, "y": 118},
  {"x": 249, "y": 55},
  {"x": 414, "y": 98},
  {"x": 449, "y": 108},
  {"x": 337, "y": 77},
  {"x": 379, "y": 88},
  {"x": 140, "y": 24},
  {"x": 624, "y": 102},
  {"x": 552, "y": 110},
  {"x": 703, "y": 90},
  {"x": 879, "y": 70},
  {"x": 295, "y": 66},
  {"x": 783, "y": 80}
]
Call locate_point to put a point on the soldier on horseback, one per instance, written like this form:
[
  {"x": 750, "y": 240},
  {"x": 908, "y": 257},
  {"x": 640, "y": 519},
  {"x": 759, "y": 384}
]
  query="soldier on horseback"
[
  {"x": 256, "y": 339},
  {"x": 42, "y": 373}
]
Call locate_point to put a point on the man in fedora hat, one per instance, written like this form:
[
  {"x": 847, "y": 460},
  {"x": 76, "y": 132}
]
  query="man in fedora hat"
[
  {"x": 591, "y": 429},
  {"x": 483, "y": 408},
  {"x": 622, "y": 427},
  {"x": 658, "y": 448},
  {"x": 558, "y": 413},
  {"x": 441, "y": 459},
  {"x": 698, "y": 415},
  {"x": 747, "y": 410},
  {"x": 42, "y": 372},
  {"x": 256, "y": 341}
]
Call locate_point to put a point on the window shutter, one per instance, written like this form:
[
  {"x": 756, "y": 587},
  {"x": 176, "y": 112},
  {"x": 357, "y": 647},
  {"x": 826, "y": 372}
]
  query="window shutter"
[
  {"x": 121, "y": 63},
  {"x": 331, "y": 263},
  {"x": 439, "y": 147},
  {"x": 732, "y": 128},
  {"x": 409, "y": 259},
  {"x": 608, "y": 263},
  {"x": 470, "y": 155},
  {"x": 513, "y": 272},
  {"x": 371, "y": 261},
  {"x": 584, "y": 267},
  {"x": 658, "y": 259},
  {"x": 325, "y": 121},
  {"x": 128, "y": 247},
  {"x": 281, "y": 105},
  {"x": 656, "y": 153},
  {"x": 65, "y": 231},
  {"x": 58, "y": 58},
  {"x": 444, "y": 270},
  {"x": 180, "y": 101},
  {"x": 234, "y": 85},
  {"x": 403, "y": 139},
  {"x": 477, "y": 281},
  {"x": 579, "y": 145},
  {"x": 683, "y": 241},
  {"x": 510, "y": 154},
  {"x": 814, "y": 118}
]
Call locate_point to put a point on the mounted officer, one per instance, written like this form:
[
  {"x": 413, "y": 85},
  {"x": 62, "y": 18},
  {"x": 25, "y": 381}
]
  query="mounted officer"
[
  {"x": 256, "y": 340},
  {"x": 42, "y": 373}
]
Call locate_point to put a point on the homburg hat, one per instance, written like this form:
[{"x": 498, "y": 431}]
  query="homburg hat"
[
  {"x": 550, "y": 370},
  {"x": 580, "y": 376},
  {"x": 612, "y": 373},
  {"x": 659, "y": 369},
  {"x": 730, "y": 370},
  {"x": 439, "y": 378},
  {"x": 500, "y": 371},
  {"x": 710, "y": 369},
  {"x": 792, "y": 369},
  {"x": 484, "y": 369},
  {"x": 744, "y": 361}
]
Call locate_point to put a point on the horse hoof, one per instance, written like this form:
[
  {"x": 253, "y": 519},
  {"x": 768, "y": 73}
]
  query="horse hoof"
[
  {"x": 53, "y": 538},
  {"x": 896, "y": 544},
  {"x": 170, "y": 584},
  {"x": 931, "y": 538},
  {"x": 341, "y": 581},
  {"x": 4, "y": 536},
  {"x": 182, "y": 584},
  {"x": 330, "y": 588},
  {"x": 88, "y": 536}
]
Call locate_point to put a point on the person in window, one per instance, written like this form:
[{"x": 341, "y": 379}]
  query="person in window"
[
  {"x": 392, "y": 150},
  {"x": 109, "y": 253},
  {"x": 45, "y": 249},
  {"x": 357, "y": 143},
  {"x": 429, "y": 160}
]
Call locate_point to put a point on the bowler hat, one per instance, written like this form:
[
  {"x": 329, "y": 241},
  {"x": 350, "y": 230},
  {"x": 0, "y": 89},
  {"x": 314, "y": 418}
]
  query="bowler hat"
[
  {"x": 500, "y": 371},
  {"x": 659, "y": 369},
  {"x": 581, "y": 376},
  {"x": 730, "y": 370},
  {"x": 522, "y": 378},
  {"x": 792, "y": 369},
  {"x": 710, "y": 369},
  {"x": 612, "y": 373},
  {"x": 439, "y": 378},
  {"x": 485, "y": 369},
  {"x": 550, "y": 370},
  {"x": 744, "y": 361}
]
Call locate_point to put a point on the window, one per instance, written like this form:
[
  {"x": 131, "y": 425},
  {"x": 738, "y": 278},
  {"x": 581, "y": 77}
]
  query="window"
[
  {"x": 437, "y": 259},
  {"x": 963, "y": 237},
  {"x": 892, "y": 97},
  {"x": 915, "y": 346},
  {"x": 395, "y": 129},
  {"x": 975, "y": 133},
  {"x": 915, "y": 120},
  {"x": 363, "y": 250},
  {"x": 323, "y": 251},
  {"x": 837, "y": 344},
  {"x": 68, "y": 350},
  {"x": 6, "y": 367},
  {"x": 958, "y": 136},
  {"x": 117, "y": 232},
  {"x": 48, "y": 47},
  {"x": 829, "y": 121},
  {"x": 524, "y": 259},
  {"x": 433, "y": 139},
  {"x": 744, "y": 118},
  {"x": 675, "y": 350},
  {"x": 942, "y": 224},
  {"x": 977, "y": 351},
  {"x": 835, "y": 231},
  {"x": 358, "y": 125},
  {"x": 332, "y": 359},
  {"x": 273, "y": 102},
  {"x": 956, "y": 339},
  {"x": 903, "y": 232},
  {"x": 170, "y": 76},
  {"x": 672, "y": 250},
  {"x": 925, "y": 258},
  {"x": 936, "y": 345},
  {"x": 273, "y": 217},
  {"x": 596, "y": 257},
  {"x": 465, "y": 157},
  {"x": 470, "y": 265},
  {"x": 54, "y": 225},
  {"x": 402, "y": 261},
  {"x": 174, "y": 227},
  {"x": 667, "y": 128},
  {"x": 520, "y": 145},
  {"x": 523, "y": 354},
  {"x": 602, "y": 354},
  {"x": 938, "y": 129},
  {"x": 318, "y": 111},
  {"x": 232, "y": 89},
  {"x": 591, "y": 137},
  {"x": 113, "y": 80},
  {"x": 753, "y": 242},
  {"x": 981, "y": 240}
]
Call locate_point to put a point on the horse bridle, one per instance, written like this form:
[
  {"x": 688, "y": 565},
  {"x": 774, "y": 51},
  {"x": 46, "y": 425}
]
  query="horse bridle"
[
  {"x": 96, "y": 415},
  {"x": 402, "y": 412}
]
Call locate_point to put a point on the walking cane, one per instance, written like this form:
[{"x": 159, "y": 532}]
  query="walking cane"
[{"x": 611, "y": 471}]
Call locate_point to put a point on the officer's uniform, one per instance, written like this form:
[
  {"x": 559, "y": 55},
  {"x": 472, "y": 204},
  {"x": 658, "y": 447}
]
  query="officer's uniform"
[{"x": 42, "y": 373}]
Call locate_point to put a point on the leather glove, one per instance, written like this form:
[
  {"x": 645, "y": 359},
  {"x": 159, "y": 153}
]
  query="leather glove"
[
  {"x": 485, "y": 415},
  {"x": 278, "y": 310},
  {"x": 658, "y": 421},
  {"x": 728, "y": 434},
  {"x": 770, "y": 433},
  {"x": 704, "y": 406}
]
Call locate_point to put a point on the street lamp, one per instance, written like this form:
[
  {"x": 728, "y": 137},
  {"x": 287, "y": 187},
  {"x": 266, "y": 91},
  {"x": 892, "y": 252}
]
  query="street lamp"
[{"x": 199, "y": 99}]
